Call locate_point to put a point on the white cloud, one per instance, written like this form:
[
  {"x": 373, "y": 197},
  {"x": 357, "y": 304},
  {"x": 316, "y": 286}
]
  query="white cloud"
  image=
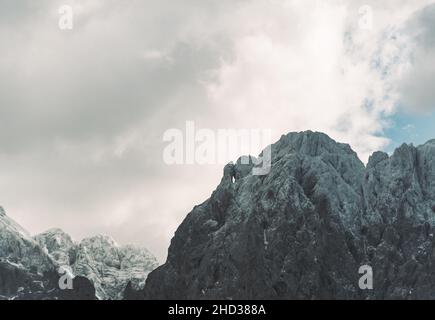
[
  {"x": 302, "y": 65},
  {"x": 415, "y": 87},
  {"x": 82, "y": 113}
]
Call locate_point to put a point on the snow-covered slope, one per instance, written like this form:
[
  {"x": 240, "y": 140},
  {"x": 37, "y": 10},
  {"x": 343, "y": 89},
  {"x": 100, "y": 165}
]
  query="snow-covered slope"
[
  {"x": 29, "y": 265},
  {"x": 58, "y": 245},
  {"x": 109, "y": 266},
  {"x": 27, "y": 271},
  {"x": 18, "y": 247}
]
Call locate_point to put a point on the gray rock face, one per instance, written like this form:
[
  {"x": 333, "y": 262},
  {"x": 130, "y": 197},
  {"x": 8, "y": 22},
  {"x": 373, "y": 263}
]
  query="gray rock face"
[
  {"x": 100, "y": 259},
  {"x": 101, "y": 268},
  {"x": 17, "y": 247},
  {"x": 111, "y": 267},
  {"x": 398, "y": 221},
  {"x": 58, "y": 245},
  {"x": 22, "y": 262},
  {"x": 303, "y": 230},
  {"x": 28, "y": 271}
]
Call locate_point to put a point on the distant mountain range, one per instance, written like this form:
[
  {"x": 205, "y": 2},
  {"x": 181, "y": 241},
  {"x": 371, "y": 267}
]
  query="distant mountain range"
[
  {"x": 29, "y": 266},
  {"x": 303, "y": 231}
]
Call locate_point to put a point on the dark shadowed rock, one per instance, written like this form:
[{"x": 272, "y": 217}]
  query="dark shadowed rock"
[
  {"x": 303, "y": 230},
  {"x": 83, "y": 289},
  {"x": 130, "y": 293}
]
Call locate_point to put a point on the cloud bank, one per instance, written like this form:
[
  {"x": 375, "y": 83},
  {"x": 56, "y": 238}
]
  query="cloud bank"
[{"x": 83, "y": 112}]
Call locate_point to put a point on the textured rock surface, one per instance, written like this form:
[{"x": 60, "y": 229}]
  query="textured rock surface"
[
  {"x": 100, "y": 259},
  {"x": 111, "y": 267},
  {"x": 29, "y": 265},
  {"x": 303, "y": 230},
  {"x": 28, "y": 272},
  {"x": 18, "y": 247},
  {"x": 58, "y": 245}
]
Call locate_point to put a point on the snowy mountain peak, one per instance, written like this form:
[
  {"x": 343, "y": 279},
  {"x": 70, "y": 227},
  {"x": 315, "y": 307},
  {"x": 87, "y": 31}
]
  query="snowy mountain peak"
[
  {"x": 58, "y": 244},
  {"x": 109, "y": 266},
  {"x": 22, "y": 261},
  {"x": 99, "y": 241},
  {"x": 10, "y": 225}
]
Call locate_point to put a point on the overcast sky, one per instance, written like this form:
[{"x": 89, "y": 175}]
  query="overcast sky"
[{"x": 83, "y": 111}]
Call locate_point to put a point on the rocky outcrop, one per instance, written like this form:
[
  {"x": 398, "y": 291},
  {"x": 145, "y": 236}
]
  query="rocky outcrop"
[
  {"x": 17, "y": 247},
  {"x": 58, "y": 245},
  {"x": 28, "y": 272},
  {"x": 109, "y": 266},
  {"x": 303, "y": 230},
  {"x": 398, "y": 221},
  {"x": 30, "y": 267},
  {"x": 24, "y": 266}
]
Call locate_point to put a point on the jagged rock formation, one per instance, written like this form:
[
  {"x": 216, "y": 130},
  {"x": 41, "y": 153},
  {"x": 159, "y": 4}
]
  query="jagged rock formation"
[
  {"x": 101, "y": 268},
  {"x": 100, "y": 259},
  {"x": 18, "y": 247},
  {"x": 29, "y": 272},
  {"x": 58, "y": 245},
  {"x": 111, "y": 267},
  {"x": 303, "y": 230}
]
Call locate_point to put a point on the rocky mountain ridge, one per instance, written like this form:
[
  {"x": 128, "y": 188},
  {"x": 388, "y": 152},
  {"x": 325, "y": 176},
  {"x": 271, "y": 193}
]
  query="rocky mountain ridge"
[
  {"x": 28, "y": 272},
  {"x": 29, "y": 265},
  {"x": 304, "y": 230},
  {"x": 109, "y": 266}
]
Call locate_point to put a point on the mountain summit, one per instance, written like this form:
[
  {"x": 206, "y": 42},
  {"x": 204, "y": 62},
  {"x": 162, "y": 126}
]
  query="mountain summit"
[
  {"x": 304, "y": 230},
  {"x": 103, "y": 269},
  {"x": 109, "y": 266},
  {"x": 28, "y": 272}
]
